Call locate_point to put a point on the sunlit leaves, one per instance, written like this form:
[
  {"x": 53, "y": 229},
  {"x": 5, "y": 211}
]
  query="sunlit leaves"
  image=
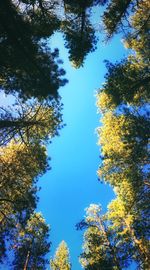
[
  {"x": 61, "y": 259},
  {"x": 101, "y": 247},
  {"x": 20, "y": 166},
  {"x": 124, "y": 134}
]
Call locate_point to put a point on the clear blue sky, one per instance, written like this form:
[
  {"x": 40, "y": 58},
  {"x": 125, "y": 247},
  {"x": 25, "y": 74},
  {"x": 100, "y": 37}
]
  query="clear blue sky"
[{"x": 72, "y": 183}]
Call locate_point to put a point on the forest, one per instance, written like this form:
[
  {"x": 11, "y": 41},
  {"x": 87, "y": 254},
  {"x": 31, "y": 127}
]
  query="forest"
[{"x": 31, "y": 76}]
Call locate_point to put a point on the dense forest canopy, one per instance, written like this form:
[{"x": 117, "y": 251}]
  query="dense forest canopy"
[{"x": 31, "y": 73}]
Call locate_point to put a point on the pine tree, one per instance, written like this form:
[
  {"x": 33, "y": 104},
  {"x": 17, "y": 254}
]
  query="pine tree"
[
  {"x": 30, "y": 244},
  {"x": 30, "y": 122},
  {"x": 124, "y": 134},
  {"x": 21, "y": 165},
  {"x": 102, "y": 249},
  {"x": 28, "y": 67},
  {"x": 61, "y": 258}
]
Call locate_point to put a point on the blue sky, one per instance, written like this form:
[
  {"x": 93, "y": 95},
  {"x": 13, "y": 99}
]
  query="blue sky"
[{"x": 72, "y": 183}]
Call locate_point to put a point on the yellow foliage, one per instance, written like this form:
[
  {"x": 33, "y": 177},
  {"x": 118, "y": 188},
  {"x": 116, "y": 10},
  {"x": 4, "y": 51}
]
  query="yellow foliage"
[{"x": 104, "y": 101}]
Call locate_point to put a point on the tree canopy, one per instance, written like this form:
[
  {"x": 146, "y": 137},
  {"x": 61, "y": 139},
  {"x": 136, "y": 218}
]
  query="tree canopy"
[
  {"x": 31, "y": 74},
  {"x": 124, "y": 134}
]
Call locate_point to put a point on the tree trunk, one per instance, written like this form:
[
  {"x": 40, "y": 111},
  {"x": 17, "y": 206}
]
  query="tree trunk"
[
  {"x": 27, "y": 261},
  {"x": 141, "y": 246}
]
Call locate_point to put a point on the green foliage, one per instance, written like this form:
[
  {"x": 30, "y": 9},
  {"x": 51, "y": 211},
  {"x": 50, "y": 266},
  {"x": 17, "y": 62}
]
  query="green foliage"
[
  {"x": 61, "y": 258},
  {"x": 102, "y": 248},
  {"x": 129, "y": 216},
  {"x": 79, "y": 34},
  {"x": 31, "y": 244},
  {"x": 138, "y": 40},
  {"x": 125, "y": 16},
  {"x": 124, "y": 140},
  {"x": 132, "y": 73},
  {"x": 20, "y": 165},
  {"x": 30, "y": 122},
  {"x": 27, "y": 65},
  {"x": 124, "y": 134},
  {"x": 80, "y": 39},
  {"x": 114, "y": 14}
]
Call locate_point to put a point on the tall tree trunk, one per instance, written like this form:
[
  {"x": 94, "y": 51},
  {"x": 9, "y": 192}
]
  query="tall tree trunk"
[{"x": 27, "y": 261}]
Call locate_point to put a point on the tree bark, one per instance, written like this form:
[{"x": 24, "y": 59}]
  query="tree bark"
[{"x": 27, "y": 261}]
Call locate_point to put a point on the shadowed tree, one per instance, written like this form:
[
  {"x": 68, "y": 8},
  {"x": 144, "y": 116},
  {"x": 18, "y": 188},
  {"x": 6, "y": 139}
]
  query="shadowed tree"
[
  {"x": 30, "y": 244},
  {"x": 30, "y": 122},
  {"x": 115, "y": 14},
  {"x": 125, "y": 16},
  {"x": 115, "y": 92},
  {"x": 27, "y": 65},
  {"x": 139, "y": 39},
  {"x": 79, "y": 33}
]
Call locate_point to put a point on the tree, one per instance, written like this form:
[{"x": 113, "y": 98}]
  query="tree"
[
  {"x": 30, "y": 122},
  {"x": 138, "y": 39},
  {"x": 80, "y": 39},
  {"x": 125, "y": 16},
  {"x": 30, "y": 244},
  {"x": 102, "y": 249},
  {"x": 61, "y": 258},
  {"x": 129, "y": 217},
  {"x": 115, "y": 14},
  {"x": 124, "y": 139},
  {"x": 20, "y": 165},
  {"x": 28, "y": 67},
  {"x": 78, "y": 31},
  {"x": 131, "y": 72},
  {"x": 124, "y": 142}
]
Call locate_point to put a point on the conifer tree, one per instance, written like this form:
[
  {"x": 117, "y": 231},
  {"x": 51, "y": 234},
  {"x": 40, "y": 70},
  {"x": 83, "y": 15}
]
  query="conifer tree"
[
  {"x": 28, "y": 66},
  {"x": 124, "y": 134},
  {"x": 102, "y": 248},
  {"x": 61, "y": 260},
  {"x": 117, "y": 17},
  {"x": 30, "y": 244},
  {"x": 21, "y": 165},
  {"x": 30, "y": 122}
]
